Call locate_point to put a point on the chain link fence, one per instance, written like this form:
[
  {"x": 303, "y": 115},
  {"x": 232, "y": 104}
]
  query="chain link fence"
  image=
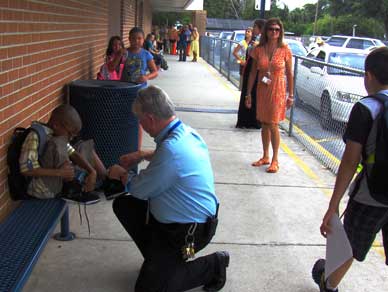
[{"x": 327, "y": 84}]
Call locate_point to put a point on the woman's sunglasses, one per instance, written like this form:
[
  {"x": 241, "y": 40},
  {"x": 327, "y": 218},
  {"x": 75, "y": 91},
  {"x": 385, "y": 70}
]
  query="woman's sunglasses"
[{"x": 274, "y": 29}]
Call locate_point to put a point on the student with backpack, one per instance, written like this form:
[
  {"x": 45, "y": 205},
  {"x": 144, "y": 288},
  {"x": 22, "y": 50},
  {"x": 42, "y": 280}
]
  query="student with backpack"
[
  {"x": 366, "y": 139},
  {"x": 51, "y": 166}
]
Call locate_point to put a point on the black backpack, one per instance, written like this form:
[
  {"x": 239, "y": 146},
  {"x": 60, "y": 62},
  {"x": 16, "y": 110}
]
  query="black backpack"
[
  {"x": 17, "y": 182},
  {"x": 376, "y": 164}
]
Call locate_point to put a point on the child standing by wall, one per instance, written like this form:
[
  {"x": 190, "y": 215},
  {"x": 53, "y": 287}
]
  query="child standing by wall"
[
  {"x": 115, "y": 57},
  {"x": 138, "y": 61}
]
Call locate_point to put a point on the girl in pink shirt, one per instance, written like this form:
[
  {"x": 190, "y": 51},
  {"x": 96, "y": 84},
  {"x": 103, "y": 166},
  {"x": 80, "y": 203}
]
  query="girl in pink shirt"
[{"x": 115, "y": 58}]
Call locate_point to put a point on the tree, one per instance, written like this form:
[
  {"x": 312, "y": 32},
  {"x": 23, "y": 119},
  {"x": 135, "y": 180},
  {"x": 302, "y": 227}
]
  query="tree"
[
  {"x": 170, "y": 18},
  {"x": 219, "y": 9},
  {"x": 379, "y": 10}
]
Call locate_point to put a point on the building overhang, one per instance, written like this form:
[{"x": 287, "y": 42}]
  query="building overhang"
[{"x": 176, "y": 5}]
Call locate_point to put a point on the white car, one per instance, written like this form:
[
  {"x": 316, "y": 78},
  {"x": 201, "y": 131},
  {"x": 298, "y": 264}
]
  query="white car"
[
  {"x": 296, "y": 47},
  {"x": 238, "y": 35},
  {"x": 360, "y": 43},
  {"x": 330, "y": 90},
  {"x": 226, "y": 35}
]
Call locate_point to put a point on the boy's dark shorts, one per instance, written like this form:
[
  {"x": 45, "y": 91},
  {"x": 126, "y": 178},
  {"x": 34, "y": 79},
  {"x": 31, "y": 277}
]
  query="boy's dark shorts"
[{"x": 362, "y": 223}]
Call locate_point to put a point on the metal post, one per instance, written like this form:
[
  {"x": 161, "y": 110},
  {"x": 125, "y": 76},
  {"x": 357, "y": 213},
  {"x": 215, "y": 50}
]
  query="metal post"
[
  {"x": 262, "y": 9},
  {"x": 295, "y": 98},
  {"x": 220, "y": 55},
  {"x": 230, "y": 48},
  {"x": 65, "y": 234},
  {"x": 354, "y": 29},
  {"x": 214, "y": 48}
]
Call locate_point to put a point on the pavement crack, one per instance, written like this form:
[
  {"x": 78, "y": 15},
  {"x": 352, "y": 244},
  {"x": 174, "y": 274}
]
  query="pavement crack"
[
  {"x": 252, "y": 244},
  {"x": 273, "y": 185}
]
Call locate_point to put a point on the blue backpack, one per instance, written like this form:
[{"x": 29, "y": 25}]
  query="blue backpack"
[
  {"x": 376, "y": 164},
  {"x": 17, "y": 182}
]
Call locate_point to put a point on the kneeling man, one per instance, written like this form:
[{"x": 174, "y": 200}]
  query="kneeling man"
[{"x": 172, "y": 210}]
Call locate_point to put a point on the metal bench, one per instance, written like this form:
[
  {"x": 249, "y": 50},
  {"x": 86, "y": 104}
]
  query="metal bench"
[{"x": 23, "y": 236}]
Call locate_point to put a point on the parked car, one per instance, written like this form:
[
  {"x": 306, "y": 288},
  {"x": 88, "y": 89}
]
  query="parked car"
[
  {"x": 360, "y": 43},
  {"x": 238, "y": 35},
  {"x": 225, "y": 35},
  {"x": 330, "y": 90},
  {"x": 296, "y": 47}
]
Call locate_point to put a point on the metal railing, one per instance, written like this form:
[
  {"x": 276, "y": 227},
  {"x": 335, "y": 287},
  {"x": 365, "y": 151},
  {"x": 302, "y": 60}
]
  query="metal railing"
[{"x": 324, "y": 96}]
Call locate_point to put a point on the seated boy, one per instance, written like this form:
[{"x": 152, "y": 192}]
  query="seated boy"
[{"x": 60, "y": 165}]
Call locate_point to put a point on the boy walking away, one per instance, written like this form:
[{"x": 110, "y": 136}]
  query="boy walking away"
[
  {"x": 367, "y": 209},
  {"x": 60, "y": 170}
]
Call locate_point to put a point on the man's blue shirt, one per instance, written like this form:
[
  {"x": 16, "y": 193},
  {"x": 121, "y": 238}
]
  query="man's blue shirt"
[{"x": 179, "y": 180}]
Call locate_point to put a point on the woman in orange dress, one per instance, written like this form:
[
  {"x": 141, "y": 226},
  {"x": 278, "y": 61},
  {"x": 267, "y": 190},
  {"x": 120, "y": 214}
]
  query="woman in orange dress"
[{"x": 273, "y": 60}]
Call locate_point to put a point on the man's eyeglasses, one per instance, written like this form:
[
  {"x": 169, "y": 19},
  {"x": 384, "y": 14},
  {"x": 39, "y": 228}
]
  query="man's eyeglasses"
[{"x": 274, "y": 29}]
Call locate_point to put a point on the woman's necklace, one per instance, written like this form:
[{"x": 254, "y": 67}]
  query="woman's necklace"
[{"x": 270, "y": 51}]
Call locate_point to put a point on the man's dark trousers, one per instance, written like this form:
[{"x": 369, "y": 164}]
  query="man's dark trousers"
[
  {"x": 182, "y": 52},
  {"x": 163, "y": 269}
]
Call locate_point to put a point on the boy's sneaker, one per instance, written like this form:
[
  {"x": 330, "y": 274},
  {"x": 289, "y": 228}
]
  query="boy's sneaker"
[
  {"x": 83, "y": 198},
  {"x": 113, "y": 188},
  {"x": 71, "y": 187},
  {"x": 318, "y": 274}
]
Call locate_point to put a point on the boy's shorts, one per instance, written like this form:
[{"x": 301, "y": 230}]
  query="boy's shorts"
[{"x": 362, "y": 223}]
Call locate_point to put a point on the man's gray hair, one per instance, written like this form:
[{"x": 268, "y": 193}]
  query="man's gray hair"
[{"x": 153, "y": 100}]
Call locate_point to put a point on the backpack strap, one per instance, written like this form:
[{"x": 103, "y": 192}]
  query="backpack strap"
[
  {"x": 383, "y": 99},
  {"x": 39, "y": 129}
]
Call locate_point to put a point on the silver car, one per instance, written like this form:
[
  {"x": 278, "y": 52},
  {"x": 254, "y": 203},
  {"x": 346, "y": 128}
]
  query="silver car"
[
  {"x": 360, "y": 43},
  {"x": 296, "y": 47},
  {"x": 330, "y": 90}
]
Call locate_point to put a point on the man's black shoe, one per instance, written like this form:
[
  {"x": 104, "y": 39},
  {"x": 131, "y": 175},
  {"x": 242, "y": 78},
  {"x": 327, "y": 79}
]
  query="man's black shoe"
[{"x": 222, "y": 261}]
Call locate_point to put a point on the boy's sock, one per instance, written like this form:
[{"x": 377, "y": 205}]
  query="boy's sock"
[{"x": 329, "y": 287}]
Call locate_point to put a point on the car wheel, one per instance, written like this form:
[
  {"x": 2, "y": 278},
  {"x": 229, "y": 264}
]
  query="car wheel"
[{"x": 325, "y": 115}]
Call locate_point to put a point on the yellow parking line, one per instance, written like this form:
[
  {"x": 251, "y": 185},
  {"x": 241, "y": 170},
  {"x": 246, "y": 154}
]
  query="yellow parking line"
[
  {"x": 319, "y": 147},
  {"x": 310, "y": 173}
]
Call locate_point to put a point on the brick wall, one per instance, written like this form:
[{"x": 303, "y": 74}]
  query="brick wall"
[
  {"x": 147, "y": 17},
  {"x": 199, "y": 20},
  {"x": 43, "y": 46},
  {"x": 128, "y": 16}
]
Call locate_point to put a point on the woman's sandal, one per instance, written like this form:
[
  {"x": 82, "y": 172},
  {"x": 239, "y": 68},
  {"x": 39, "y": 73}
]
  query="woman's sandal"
[
  {"x": 260, "y": 162},
  {"x": 273, "y": 168}
]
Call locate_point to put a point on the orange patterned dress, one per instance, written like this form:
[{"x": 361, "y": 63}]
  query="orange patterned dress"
[{"x": 271, "y": 98}]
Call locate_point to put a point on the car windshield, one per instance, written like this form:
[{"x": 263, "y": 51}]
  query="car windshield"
[
  {"x": 336, "y": 41},
  {"x": 225, "y": 35},
  {"x": 297, "y": 49},
  {"x": 239, "y": 37},
  {"x": 379, "y": 43},
  {"x": 351, "y": 60}
]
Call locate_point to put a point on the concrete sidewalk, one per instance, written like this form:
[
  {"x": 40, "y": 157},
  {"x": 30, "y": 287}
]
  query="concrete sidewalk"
[{"x": 268, "y": 222}]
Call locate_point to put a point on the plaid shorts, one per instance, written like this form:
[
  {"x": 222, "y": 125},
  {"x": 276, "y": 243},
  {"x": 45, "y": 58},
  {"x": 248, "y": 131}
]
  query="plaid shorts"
[{"x": 362, "y": 223}]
